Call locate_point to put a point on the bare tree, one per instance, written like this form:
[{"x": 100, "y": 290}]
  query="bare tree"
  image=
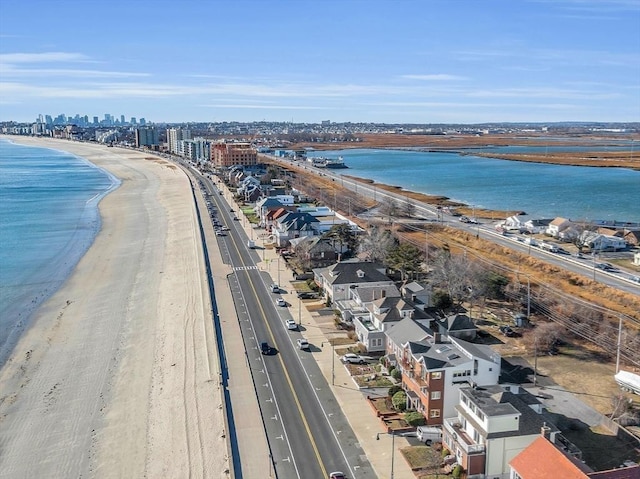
[
  {"x": 408, "y": 209},
  {"x": 458, "y": 276},
  {"x": 376, "y": 244},
  {"x": 389, "y": 208},
  {"x": 301, "y": 259}
]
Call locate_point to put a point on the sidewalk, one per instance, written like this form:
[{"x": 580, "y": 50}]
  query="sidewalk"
[{"x": 318, "y": 331}]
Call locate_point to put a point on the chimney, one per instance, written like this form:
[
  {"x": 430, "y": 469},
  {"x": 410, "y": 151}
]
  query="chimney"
[
  {"x": 545, "y": 431},
  {"x": 437, "y": 338}
]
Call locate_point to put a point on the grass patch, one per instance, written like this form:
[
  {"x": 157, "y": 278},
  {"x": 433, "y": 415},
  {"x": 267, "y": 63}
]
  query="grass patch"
[{"x": 423, "y": 458}]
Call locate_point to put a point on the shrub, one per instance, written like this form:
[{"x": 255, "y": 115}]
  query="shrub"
[
  {"x": 445, "y": 452},
  {"x": 396, "y": 374},
  {"x": 457, "y": 471},
  {"x": 393, "y": 390},
  {"x": 414, "y": 418},
  {"x": 399, "y": 400}
]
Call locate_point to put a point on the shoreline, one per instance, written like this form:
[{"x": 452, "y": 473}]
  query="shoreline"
[
  {"x": 28, "y": 303},
  {"x": 113, "y": 360}
]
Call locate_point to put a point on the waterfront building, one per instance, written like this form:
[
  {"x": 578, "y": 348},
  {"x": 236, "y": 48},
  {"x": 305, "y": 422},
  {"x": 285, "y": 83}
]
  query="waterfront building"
[
  {"x": 229, "y": 154},
  {"x": 147, "y": 137},
  {"x": 174, "y": 135}
]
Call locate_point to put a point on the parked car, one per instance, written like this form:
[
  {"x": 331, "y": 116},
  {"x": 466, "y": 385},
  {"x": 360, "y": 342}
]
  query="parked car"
[
  {"x": 352, "y": 358},
  {"x": 281, "y": 302},
  {"x": 508, "y": 331},
  {"x": 275, "y": 288},
  {"x": 306, "y": 295},
  {"x": 303, "y": 344},
  {"x": 429, "y": 434},
  {"x": 291, "y": 324}
]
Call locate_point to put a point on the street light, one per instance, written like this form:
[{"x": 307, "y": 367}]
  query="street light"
[
  {"x": 393, "y": 447},
  {"x": 333, "y": 361}
]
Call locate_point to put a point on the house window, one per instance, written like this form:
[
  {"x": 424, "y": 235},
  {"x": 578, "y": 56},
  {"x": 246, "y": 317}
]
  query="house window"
[
  {"x": 437, "y": 375},
  {"x": 435, "y": 395},
  {"x": 434, "y": 413}
]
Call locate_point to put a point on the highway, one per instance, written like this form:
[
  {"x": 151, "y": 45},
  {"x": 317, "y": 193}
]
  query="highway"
[
  {"x": 621, "y": 280},
  {"x": 308, "y": 434}
]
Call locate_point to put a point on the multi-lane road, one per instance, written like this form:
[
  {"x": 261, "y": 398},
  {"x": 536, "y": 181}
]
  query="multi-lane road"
[{"x": 307, "y": 433}]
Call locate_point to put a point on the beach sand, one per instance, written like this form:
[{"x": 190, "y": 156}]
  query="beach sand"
[{"x": 116, "y": 377}]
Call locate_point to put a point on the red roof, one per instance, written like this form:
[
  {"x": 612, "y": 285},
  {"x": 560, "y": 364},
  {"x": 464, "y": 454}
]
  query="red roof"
[{"x": 542, "y": 460}]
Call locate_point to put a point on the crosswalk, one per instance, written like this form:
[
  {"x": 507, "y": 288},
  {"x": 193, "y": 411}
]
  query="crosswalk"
[{"x": 244, "y": 268}]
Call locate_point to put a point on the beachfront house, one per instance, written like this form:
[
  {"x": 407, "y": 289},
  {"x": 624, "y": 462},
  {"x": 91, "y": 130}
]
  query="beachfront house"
[
  {"x": 599, "y": 242},
  {"x": 293, "y": 225},
  {"x": 336, "y": 280},
  {"x": 557, "y": 227},
  {"x": 491, "y": 426},
  {"x": 536, "y": 226},
  {"x": 435, "y": 368}
]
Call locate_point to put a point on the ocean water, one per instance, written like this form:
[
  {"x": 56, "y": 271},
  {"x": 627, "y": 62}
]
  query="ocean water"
[
  {"x": 540, "y": 190},
  {"x": 48, "y": 220}
]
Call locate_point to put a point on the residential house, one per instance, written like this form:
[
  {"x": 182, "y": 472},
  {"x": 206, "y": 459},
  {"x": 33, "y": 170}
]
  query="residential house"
[
  {"x": 536, "y": 226},
  {"x": 434, "y": 369},
  {"x": 558, "y": 464},
  {"x": 293, "y": 225},
  {"x": 599, "y": 242},
  {"x": 632, "y": 237},
  {"x": 636, "y": 258},
  {"x": 263, "y": 207},
  {"x": 492, "y": 426},
  {"x": 381, "y": 308},
  {"x": 557, "y": 226},
  {"x": 514, "y": 223},
  {"x": 419, "y": 294},
  {"x": 317, "y": 251},
  {"x": 458, "y": 326},
  {"x": 337, "y": 280}
]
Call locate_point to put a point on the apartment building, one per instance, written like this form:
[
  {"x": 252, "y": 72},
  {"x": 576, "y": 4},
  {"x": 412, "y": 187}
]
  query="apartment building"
[
  {"x": 224, "y": 155},
  {"x": 435, "y": 368}
]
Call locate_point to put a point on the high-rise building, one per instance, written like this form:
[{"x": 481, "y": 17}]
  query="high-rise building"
[
  {"x": 174, "y": 135},
  {"x": 142, "y": 121},
  {"x": 147, "y": 137},
  {"x": 122, "y": 121},
  {"x": 133, "y": 121},
  {"x": 96, "y": 120}
]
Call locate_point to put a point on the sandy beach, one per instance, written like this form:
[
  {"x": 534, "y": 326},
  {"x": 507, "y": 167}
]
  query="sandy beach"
[{"x": 114, "y": 377}]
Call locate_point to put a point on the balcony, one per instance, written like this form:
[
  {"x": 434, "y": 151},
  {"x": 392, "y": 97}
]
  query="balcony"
[{"x": 460, "y": 436}]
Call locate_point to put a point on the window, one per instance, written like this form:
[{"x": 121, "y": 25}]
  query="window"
[
  {"x": 437, "y": 375},
  {"x": 435, "y": 395},
  {"x": 434, "y": 413}
]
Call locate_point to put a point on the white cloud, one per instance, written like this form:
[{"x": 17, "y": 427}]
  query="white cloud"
[
  {"x": 434, "y": 77},
  {"x": 42, "y": 57}
]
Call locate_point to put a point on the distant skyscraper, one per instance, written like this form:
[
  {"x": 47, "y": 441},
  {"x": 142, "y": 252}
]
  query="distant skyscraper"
[
  {"x": 122, "y": 120},
  {"x": 48, "y": 119},
  {"x": 133, "y": 120},
  {"x": 96, "y": 121},
  {"x": 142, "y": 121}
]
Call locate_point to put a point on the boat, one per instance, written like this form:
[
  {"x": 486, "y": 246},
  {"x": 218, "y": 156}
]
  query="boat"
[{"x": 323, "y": 162}]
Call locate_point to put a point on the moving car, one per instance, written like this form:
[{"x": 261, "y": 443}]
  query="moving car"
[
  {"x": 281, "y": 302},
  {"x": 337, "y": 475},
  {"x": 303, "y": 344},
  {"x": 291, "y": 324},
  {"x": 352, "y": 358},
  {"x": 265, "y": 348}
]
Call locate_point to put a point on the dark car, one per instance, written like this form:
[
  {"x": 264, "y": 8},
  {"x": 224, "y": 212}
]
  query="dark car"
[
  {"x": 265, "y": 348},
  {"x": 306, "y": 295},
  {"x": 507, "y": 331}
]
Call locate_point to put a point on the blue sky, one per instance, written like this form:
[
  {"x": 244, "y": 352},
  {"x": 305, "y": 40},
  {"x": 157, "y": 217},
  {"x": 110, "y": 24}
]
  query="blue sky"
[{"x": 394, "y": 61}]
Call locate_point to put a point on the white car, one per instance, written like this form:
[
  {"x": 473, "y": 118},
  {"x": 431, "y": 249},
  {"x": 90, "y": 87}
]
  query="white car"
[
  {"x": 352, "y": 358},
  {"x": 303, "y": 344},
  {"x": 281, "y": 302},
  {"x": 291, "y": 325}
]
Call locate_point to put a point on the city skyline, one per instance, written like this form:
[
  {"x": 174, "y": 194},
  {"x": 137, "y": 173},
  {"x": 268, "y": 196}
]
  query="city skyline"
[{"x": 353, "y": 61}]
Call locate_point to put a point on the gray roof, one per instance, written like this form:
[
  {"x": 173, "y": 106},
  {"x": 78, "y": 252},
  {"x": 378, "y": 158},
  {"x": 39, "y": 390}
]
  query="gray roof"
[
  {"x": 496, "y": 401},
  {"x": 368, "y": 293},
  {"x": 457, "y": 322},
  {"x": 346, "y": 272},
  {"x": 407, "y": 330}
]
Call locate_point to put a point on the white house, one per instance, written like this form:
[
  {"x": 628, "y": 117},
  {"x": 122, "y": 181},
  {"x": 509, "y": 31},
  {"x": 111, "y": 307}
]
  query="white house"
[
  {"x": 557, "y": 226},
  {"x": 493, "y": 425},
  {"x": 599, "y": 242}
]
